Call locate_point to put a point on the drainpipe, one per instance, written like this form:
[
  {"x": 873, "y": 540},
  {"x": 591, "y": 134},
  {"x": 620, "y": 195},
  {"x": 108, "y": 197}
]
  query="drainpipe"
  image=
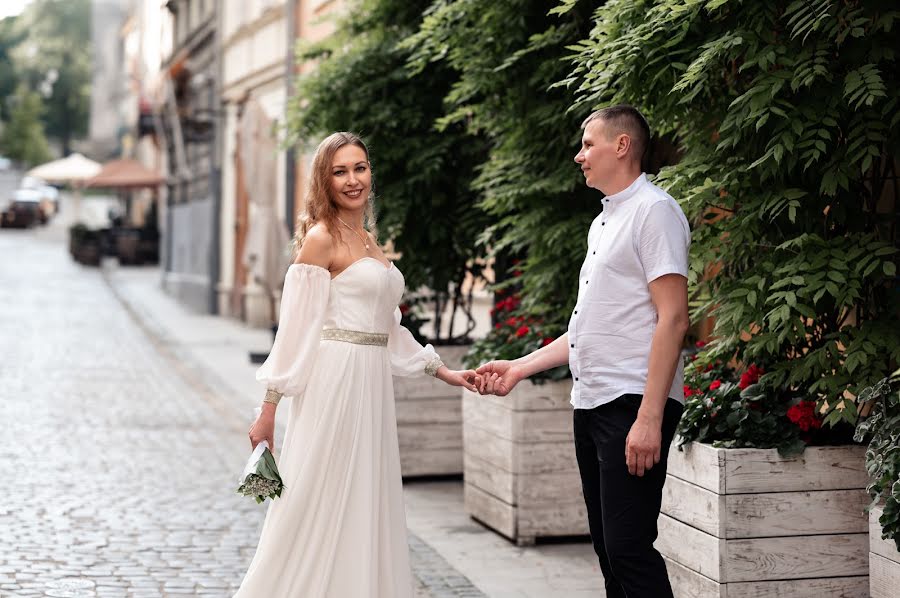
[{"x": 215, "y": 174}]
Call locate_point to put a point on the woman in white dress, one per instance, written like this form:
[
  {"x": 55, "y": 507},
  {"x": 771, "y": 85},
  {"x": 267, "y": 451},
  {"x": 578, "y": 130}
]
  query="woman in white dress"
[{"x": 339, "y": 528}]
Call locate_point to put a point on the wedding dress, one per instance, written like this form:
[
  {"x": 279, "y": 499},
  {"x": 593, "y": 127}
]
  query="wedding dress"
[{"x": 339, "y": 528}]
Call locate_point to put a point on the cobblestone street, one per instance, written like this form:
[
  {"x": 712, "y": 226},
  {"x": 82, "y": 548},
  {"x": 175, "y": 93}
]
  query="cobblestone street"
[
  {"x": 120, "y": 466},
  {"x": 120, "y": 475}
]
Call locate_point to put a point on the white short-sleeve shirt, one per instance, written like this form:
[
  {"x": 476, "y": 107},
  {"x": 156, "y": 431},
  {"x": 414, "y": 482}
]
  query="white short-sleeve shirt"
[{"x": 641, "y": 235}]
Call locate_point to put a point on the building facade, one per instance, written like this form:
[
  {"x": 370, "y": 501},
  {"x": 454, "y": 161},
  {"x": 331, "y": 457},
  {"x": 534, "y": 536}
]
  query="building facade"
[
  {"x": 108, "y": 86},
  {"x": 258, "y": 39},
  {"x": 190, "y": 117}
]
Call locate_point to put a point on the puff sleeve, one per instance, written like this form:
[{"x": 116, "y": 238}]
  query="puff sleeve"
[
  {"x": 304, "y": 301},
  {"x": 408, "y": 357}
]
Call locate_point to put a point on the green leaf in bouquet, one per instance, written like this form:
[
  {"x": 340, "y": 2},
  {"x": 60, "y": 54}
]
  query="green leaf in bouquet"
[{"x": 264, "y": 481}]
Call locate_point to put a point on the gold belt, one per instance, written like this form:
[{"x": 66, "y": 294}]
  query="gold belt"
[{"x": 355, "y": 337}]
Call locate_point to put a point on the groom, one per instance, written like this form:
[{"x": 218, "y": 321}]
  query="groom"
[{"x": 623, "y": 347}]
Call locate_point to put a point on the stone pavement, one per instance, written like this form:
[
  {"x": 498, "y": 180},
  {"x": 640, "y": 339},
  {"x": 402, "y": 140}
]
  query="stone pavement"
[
  {"x": 126, "y": 420},
  {"x": 120, "y": 474}
]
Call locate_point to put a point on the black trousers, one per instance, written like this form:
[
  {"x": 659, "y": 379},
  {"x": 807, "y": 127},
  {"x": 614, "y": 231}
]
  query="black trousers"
[{"x": 622, "y": 508}]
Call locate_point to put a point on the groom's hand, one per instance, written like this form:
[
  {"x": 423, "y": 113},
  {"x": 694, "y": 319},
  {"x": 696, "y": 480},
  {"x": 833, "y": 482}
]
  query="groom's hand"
[
  {"x": 498, "y": 378},
  {"x": 643, "y": 446}
]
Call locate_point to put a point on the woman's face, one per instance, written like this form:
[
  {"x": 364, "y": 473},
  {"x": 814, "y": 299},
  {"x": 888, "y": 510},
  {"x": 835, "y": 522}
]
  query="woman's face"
[{"x": 351, "y": 178}]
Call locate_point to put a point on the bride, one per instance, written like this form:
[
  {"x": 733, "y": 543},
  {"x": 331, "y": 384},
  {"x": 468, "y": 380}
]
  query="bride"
[{"x": 339, "y": 528}]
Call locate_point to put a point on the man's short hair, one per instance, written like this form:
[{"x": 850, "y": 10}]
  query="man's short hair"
[{"x": 623, "y": 118}]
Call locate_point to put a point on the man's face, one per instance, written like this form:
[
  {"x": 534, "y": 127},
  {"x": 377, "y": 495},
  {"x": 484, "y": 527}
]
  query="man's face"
[{"x": 599, "y": 157}]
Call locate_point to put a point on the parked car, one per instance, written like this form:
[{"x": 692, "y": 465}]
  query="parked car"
[
  {"x": 49, "y": 194},
  {"x": 23, "y": 209}
]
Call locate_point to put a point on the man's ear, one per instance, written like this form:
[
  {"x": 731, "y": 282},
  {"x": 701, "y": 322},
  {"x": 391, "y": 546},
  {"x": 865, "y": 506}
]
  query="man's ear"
[{"x": 623, "y": 145}]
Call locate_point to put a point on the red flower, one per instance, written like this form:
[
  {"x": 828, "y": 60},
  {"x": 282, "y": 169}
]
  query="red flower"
[
  {"x": 804, "y": 415},
  {"x": 498, "y": 326},
  {"x": 404, "y": 309},
  {"x": 523, "y": 331},
  {"x": 688, "y": 391},
  {"x": 517, "y": 273},
  {"x": 700, "y": 344},
  {"x": 511, "y": 322},
  {"x": 751, "y": 376},
  {"x": 547, "y": 341},
  {"x": 709, "y": 366},
  {"x": 715, "y": 384}
]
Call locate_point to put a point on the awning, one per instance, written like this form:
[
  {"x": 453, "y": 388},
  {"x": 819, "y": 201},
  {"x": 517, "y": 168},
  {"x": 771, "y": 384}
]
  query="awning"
[{"x": 125, "y": 174}]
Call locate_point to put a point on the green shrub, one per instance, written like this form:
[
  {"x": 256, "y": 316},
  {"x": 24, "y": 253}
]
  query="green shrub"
[{"x": 786, "y": 116}]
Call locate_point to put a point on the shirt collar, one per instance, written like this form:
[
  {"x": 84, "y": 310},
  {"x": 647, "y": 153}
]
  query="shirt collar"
[{"x": 616, "y": 199}]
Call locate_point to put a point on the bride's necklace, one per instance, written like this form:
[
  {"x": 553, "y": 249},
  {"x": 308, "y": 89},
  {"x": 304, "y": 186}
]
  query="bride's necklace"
[{"x": 364, "y": 240}]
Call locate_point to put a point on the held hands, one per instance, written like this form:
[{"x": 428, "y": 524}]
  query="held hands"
[
  {"x": 643, "y": 445},
  {"x": 466, "y": 378},
  {"x": 498, "y": 378}
]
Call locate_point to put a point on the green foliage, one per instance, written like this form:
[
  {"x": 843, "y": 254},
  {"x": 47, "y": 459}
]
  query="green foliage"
[
  {"x": 786, "y": 114},
  {"x": 10, "y": 37},
  {"x": 882, "y": 428},
  {"x": 23, "y": 136},
  {"x": 508, "y": 56},
  {"x": 425, "y": 203},
  {"x": 732, "y": 410},
  {"x": 514, "y": 335},
  {"x": 54, "y": 57}
]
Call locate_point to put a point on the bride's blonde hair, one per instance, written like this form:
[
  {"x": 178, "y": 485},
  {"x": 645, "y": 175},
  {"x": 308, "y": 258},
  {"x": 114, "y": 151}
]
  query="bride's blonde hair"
[{"x": 319, "y": 205}]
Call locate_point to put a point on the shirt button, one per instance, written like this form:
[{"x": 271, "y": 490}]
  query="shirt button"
[
  {"x": 576, "y": 379},
  {"x": 602, "y": 224},
  {"x": 595, "y": 253},
  {"x": 586, "y": 281},
  {"x": 576, "y": 311},
  {"x": 572, "y": 345}
]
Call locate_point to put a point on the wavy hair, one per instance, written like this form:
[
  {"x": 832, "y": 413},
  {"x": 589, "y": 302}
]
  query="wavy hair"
[{"x": 319, "y": 205}]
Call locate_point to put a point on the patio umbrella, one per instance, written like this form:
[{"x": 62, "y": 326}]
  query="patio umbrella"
[
  {"x": 266, "y": 252},
  {"x": 71, "y": 170},
  {"x": 125, "y": 173}
]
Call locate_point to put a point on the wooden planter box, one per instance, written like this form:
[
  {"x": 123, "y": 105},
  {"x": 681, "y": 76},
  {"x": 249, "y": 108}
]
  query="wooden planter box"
[
  {"x": 429, "y": 421},
  {"x": 521, "y": 475},
  {"x": 739, "y": 523},
  {"x": 884, "y": 561}
]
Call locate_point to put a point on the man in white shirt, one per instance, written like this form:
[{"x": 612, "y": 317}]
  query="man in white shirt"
[{"x": 623, "y": 346}]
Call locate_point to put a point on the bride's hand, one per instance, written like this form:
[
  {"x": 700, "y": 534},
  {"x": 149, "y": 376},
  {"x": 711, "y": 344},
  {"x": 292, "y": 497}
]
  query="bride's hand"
[
  {"x": 264, "y": 428},
  {"x": 466, "y": 378}
]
